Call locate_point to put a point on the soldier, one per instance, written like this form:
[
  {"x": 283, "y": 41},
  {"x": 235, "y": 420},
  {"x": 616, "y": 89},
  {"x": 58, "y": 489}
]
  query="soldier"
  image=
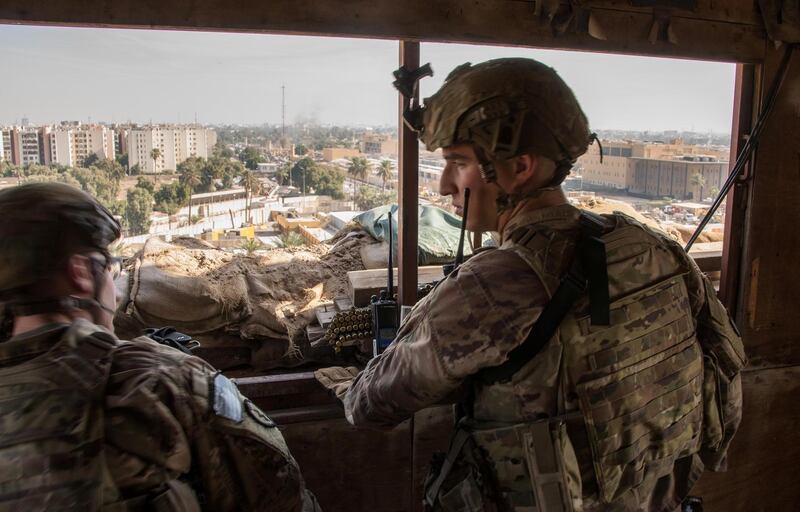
[
  {"x": 90, "y": 422},
  {"x": 598, "y": 369}
]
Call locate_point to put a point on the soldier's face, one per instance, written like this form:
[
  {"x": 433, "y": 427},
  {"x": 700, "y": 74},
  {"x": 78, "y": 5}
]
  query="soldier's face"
[{"x": 462, "y": 171}]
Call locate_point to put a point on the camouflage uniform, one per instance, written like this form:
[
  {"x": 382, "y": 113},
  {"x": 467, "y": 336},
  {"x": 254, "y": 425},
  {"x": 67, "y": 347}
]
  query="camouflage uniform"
[
  {"x": 91, "y": 422},
  {"x": 619, "y": 417}
]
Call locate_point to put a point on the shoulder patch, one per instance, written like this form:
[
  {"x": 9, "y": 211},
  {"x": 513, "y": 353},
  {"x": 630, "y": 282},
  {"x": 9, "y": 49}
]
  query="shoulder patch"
[
  {"x": 258, "y": 415},
  {"x": 226, "y": 401}
]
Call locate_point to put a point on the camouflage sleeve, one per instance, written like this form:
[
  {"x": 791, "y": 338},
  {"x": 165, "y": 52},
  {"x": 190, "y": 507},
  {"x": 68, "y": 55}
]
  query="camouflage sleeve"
[
  {"x": 471, "y": 320},
  {"x": 173, "y": 411}
]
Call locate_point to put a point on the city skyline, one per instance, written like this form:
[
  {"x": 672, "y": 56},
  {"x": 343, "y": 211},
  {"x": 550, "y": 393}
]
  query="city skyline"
[{"x": 146, "y": 76}]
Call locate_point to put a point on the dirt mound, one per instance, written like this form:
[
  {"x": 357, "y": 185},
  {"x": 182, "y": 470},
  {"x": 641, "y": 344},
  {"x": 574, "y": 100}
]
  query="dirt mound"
[
  {"x": 605, "y": 206},
  {"x": 263, "y": 301},
  {"x": 686, "y": 233}
]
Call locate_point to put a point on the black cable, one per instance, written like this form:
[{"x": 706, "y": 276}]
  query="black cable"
[{"x": 749, "y": 146}]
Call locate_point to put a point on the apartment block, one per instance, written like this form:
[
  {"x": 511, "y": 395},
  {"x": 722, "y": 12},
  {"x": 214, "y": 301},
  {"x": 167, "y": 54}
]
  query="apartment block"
[
  {"x": 5, "y": 146},
  {"x": 70, "y": 143},
  {"x": 174, "y": 143}
]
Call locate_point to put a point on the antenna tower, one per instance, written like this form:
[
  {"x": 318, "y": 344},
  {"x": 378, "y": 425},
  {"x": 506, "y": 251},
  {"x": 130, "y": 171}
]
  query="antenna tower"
[{"x": 283, "y": 111}]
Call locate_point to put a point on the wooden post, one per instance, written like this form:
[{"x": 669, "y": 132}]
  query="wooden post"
[
  {"x": 738, "y": 197},
  {"x": 408, "y": 171}
]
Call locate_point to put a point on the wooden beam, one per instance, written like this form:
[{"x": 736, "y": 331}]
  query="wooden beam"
[
  {"x": 736, "y": 202},
  {"x": 408, "y": 171},
  {"x": 730, "y": 31},
  {"x": 772, "y": 245}
]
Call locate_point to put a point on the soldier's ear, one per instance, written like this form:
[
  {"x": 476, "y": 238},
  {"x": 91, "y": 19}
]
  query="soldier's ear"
[
  {"x": 78, "y": 275},
  {"x": 525, "y": 168}
]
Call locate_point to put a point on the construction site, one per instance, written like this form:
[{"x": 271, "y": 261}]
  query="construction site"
[{"x": 269, "y": 317}]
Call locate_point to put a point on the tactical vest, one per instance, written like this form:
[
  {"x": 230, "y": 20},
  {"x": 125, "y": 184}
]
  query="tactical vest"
[
  {"x": 52, "y": 435},
  {"x": 603, "y": 411}
]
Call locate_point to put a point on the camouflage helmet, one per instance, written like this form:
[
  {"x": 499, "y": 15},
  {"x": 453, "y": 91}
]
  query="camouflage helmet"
[
  {"x": 43, "y": 223},
  {"x": 507, "y": 107}
]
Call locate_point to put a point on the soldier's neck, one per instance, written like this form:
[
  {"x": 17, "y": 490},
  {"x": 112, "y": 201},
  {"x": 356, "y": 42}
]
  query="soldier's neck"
[
  {"x": 545, "y": 199},
  {"x": 23, "y": 324}
]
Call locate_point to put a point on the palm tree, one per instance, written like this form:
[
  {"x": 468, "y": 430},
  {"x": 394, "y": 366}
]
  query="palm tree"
[
  {"x": 189, "y": 178},
  {"x": 357, "y": 169},
  {"x": 155, "y": 154},
  {"x": 697, "y": 180},
  {"x": 252, "y": 186},
  {"x": 384, "y": 173}
]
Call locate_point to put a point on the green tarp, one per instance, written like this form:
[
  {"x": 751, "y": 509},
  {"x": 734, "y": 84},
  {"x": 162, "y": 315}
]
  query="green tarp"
[{"x": 438, "y": 232}]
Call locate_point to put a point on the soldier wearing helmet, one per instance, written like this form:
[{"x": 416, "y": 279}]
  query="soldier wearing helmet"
[
  {"x": 91, "y": 422},
  {"x": 594, "y": 365}
]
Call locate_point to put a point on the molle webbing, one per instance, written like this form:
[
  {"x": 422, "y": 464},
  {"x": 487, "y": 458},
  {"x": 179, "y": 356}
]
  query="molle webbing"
[
  {"x": 588, "y": 270},
  {"x": 51, "y": 419}
]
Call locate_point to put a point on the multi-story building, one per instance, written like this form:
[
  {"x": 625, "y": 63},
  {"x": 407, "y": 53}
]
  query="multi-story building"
[
  {"x": 121, "y": 139},
  {"x": 616, "y": 168},
  {"x": 70, "y": 144},
  {"x": 5, "y": 145},
  {"x": 30, "y": 144},
  {"x": 378, "y": 144},
  {"x": 174, "y": 143},
  {"x": 331, "y": 154},
  {"x": 690, "y": 177}
]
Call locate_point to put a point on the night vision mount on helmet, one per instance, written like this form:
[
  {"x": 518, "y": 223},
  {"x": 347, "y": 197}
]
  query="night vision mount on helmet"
[{"x": 504, "y": 107}]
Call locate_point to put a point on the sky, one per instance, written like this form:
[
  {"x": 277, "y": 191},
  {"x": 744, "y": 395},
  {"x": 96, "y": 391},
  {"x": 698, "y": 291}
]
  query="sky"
[{"x": 84, "y": 74}]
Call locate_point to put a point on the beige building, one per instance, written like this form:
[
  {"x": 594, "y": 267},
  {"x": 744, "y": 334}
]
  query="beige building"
[
  {"x": 378, "y": 144},
  {"x": 616, "y": 171},
  {"x": 71, "y": 144},
  {"x": 331, "y": 154},
  {"x": 692, "y": 177},
  {"x": 30, "y": 147},
  {"x": 175, "y": 145}
]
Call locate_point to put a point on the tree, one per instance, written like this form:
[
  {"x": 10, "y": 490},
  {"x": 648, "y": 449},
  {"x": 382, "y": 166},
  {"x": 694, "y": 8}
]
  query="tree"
[
  {"x": 322, "y": 179},
  {"x": 369, "y": 198},
  {"x": 189, "y": 177},
  {"x": 138, "y": 210},
  {"x": 90, "y": 160},
  {"x": 252, "y": 186},
  {"x": 385, "y": 173},
  {"x": 357, "y": 169},
  {"x": 136, "y": 170},
  {"x": 122, "y": 159},
  {"x": 300, "y": 150},
  {"x": 155, "y": 154},
  {"x": 251, "y": 157},
  {"x": 698, "y": 181},
  {"x": 146, "y": 184},
  {"x": 221, "y": 150}
]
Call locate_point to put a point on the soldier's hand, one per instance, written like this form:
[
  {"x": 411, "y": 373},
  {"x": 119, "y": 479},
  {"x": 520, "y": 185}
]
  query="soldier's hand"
[{"x": 337, "y": 378}]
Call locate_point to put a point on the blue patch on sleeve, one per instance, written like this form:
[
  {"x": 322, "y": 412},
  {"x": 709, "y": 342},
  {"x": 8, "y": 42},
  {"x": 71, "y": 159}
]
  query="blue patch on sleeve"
[{"x": 226, "y": 399}]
